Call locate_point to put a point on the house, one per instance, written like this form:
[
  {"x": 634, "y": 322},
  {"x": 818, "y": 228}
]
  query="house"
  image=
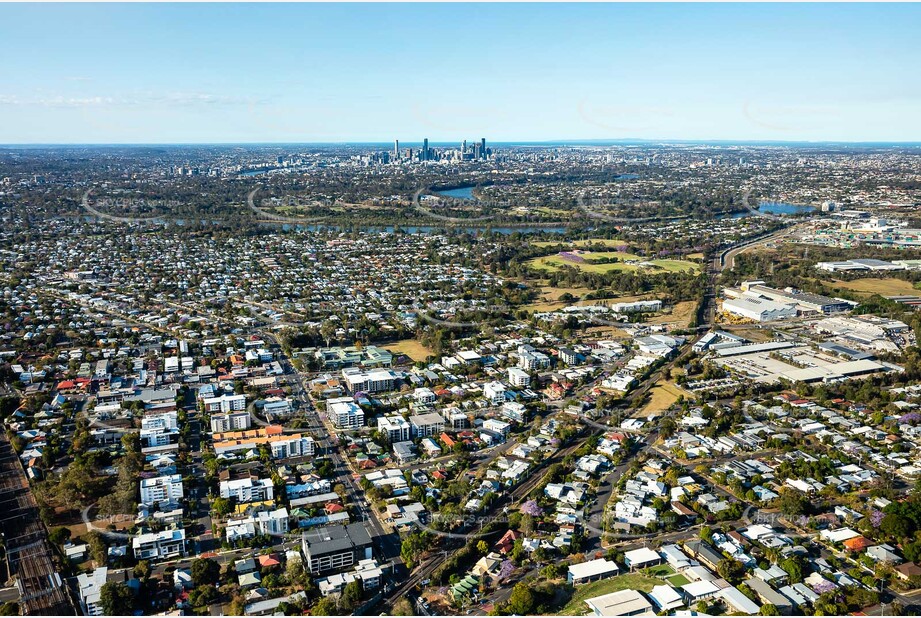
[
  {"x": 701, "y": 590},
  {"x": 703, "y": 552},
  {"x": 620, "y": 603},
  {"x": 737, "y": 602},
  {"x": 907, "y": 570},
  {"x": 592, "y": 570},
  {"x": 768, "y": 595}
]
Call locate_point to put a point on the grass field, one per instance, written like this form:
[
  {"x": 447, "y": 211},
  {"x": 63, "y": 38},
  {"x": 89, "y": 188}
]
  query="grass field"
[
  {"x": 678, "y": 580},
  {"x": 661, "y": 397},
  {"x": 884, "y": 287},
  {"x": 635, "y": 581},
  {"x": 554, "y": 263},
  {"x": 659, "y": 571},
  {"x": 411, "y": 348}
]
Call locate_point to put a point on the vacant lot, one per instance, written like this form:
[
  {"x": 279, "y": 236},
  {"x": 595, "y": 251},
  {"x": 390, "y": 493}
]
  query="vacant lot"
[
  {"x": 681, "y": 314},
  {"x": 883, "y": 287},
  {"x": 635, "y": 581},
  {"x": 662, "y": 396},
  {"x": 411, "y": 348}
]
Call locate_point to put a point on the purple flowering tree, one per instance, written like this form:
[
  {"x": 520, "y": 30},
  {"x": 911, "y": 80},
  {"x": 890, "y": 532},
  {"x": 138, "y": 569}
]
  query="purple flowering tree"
[{"x": 532, "y": 508}]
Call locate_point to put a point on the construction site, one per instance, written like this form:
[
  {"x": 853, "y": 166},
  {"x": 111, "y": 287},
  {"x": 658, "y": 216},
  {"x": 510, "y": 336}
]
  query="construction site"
[{"x": 28, "y": 555}]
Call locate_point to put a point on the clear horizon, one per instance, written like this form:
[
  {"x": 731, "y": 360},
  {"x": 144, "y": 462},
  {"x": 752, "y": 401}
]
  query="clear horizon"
[{"x": 158, "y": 74}]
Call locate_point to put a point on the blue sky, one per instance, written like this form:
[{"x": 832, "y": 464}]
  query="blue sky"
[{"x": 181, "y": 73}]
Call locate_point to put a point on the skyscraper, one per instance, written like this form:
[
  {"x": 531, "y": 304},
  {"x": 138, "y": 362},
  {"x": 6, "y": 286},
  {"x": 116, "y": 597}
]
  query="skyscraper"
[
  {"x": 396, "y": 149},
  {"x": 483, "y": 148},
  {"x": 425, "y": 149}
]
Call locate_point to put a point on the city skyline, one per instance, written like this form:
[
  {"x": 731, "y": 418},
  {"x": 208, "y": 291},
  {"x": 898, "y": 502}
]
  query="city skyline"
[{"x": 163, "y": 74}]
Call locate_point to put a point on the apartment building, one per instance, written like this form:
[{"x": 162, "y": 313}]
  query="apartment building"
[
  {"x": 335, "y": 548},
  {"x": 159, "y": 545},
  {"x": 161, "y": 490},
  {"x": 230, "y": 421},
  {"x": 225, "y": 403},
  {"x": 519, "y": 378},
  {"x": 395, "y": 427},
  {"x": 248, "y": 490},
  {"x": 280, "y": 445},
  {"x": 425, "y": 425},
  {"x": 344, "y": 413}
]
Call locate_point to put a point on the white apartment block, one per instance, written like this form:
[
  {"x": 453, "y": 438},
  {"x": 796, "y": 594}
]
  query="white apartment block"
[
  {"x": 225, "y": 403},
  {"x": 159, "y": 545},
  {"x": 373, "y": 381},
  {"x": 248, "y": 490},
  {"x": 425, "y": 425},
  {"x": 161, "y": 490},
  {"x": 163, "y": 420},
  {"x": 494, "y": 392},
  {"x": 530, "y": 359},
  {"x": 230, "y": 421},
  {"x": 518, "y": 377},
  {"x": 514, "y": 411},
  {"x": 396, "y": 428},
  {"x": 344, "y": 413}
]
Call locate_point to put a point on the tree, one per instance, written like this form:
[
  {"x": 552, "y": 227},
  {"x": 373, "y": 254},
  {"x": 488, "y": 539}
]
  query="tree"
[
  {"x": 769, "y": 609},
  {"x": 326, "y": 606},
  {"x": 521, "y": 602},
  {"x": 205, "y": 572},
  {"x": 482, "y": 547},
  {"x": 142, "y": 570},
  {"x": 792, "y": 503},
  {"x": 351, "y": 595},
  {"x": 731, "y": 570},
  {"x": 59, "y": 535},
  {"x": 794, "y": 569},
  {"x": 115, "y": 598}
]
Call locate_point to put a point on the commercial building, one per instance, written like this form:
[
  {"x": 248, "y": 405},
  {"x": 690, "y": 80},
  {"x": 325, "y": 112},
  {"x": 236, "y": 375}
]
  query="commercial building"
[
  {"x": 374, "y": 381},
  {"x": 759, "y": 309}
]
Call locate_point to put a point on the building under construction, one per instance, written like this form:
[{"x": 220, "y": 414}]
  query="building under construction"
[{"x": 28, "y": 553}]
